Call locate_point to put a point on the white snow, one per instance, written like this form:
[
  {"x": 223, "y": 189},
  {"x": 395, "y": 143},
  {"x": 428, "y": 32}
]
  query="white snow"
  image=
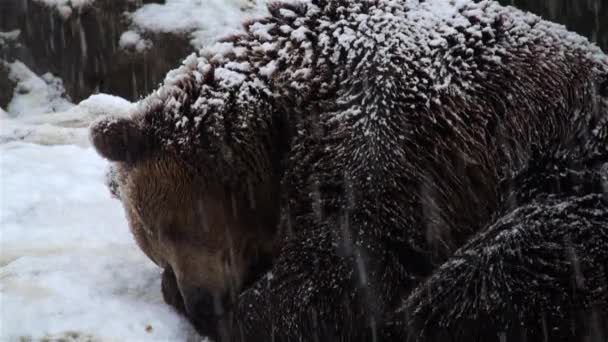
[
  {"x": 203, "y": 20},
  {"x": 72, "y": 3},
  {"x": 68, "y": 262},
  {"x": 133, "y": 40},
  {"x": 9, "y": 36},
  {"x": 35, "y": 95},
  {"x": 40, "y": 113},
  {"x": 43, "y": 134},
  {"x": 300, "y": 34},
  {"x": 129, "y": 39},
  {"x": 61, "y": 128},
  {"x": 229, "y": 78},
  {"x": 261, "y": 31},
  {"x": 66, "y": 7},
  {"x": 269, "y": 69}
]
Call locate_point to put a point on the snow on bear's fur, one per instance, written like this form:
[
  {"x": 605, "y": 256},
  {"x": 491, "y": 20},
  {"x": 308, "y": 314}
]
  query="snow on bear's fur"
[{"x": 430, "y": 171}]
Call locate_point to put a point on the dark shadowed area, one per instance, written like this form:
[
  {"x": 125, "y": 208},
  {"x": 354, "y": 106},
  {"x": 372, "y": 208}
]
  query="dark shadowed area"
[{"x": 587, "y": 17}]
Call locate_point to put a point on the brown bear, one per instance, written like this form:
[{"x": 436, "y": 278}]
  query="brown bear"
[{"x": 415, "y": 170}]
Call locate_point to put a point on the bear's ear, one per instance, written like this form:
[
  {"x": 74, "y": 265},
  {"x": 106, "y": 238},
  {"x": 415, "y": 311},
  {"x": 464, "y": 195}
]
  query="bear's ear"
[{"x": 119, "y": 139}]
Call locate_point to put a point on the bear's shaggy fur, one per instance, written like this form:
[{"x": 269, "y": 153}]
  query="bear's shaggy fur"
[{"x": 442, "y": 171}]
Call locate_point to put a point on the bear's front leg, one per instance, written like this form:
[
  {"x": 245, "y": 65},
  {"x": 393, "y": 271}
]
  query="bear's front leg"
[
  {"x": 316, "y": 291},
  {"x": 205, "y": 317},
  {"x": 539, "y": 273}
]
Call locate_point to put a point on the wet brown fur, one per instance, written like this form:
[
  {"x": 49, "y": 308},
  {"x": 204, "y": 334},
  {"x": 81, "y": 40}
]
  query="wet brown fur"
[{"x": 209, "y": 235}]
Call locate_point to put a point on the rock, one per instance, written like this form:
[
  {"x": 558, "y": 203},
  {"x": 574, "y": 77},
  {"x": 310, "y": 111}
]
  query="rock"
[
  {"x": 6, "y": 86},
  {"x": 80, "y": 44}
]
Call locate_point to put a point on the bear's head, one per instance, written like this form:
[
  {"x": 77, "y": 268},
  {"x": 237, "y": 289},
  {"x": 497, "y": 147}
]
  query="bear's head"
[{"x": 213, "y": 236}]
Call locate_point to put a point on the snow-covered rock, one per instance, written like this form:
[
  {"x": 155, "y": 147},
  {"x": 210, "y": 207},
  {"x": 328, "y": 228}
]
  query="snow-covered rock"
[
  {"x": 66, "y": 7},
  {"x": 133, "y": 40},
  {"x": 78, "y": 41},
  {"x": 63, "y": 128},
  {"x": 121, "y": 47},
  {"x": 39, "y": 112},
  {"x": 35, "y": 95},
  {"x": 204, "y": 20}
]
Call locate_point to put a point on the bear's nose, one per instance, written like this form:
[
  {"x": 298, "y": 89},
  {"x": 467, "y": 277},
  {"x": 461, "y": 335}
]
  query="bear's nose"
[
  {"x": 203, "y": 301},
  {"x": 205, "y": 310}
]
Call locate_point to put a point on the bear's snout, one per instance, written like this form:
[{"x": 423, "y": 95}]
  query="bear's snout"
[
  {"x": 205, "y": 310},
  {"x": 200, "y": 301}
]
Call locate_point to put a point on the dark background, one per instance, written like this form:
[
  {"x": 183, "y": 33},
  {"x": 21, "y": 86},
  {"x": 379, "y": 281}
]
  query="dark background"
[
  {"x": 587, "y": 17},
  {"x": 49, "y": 43}
]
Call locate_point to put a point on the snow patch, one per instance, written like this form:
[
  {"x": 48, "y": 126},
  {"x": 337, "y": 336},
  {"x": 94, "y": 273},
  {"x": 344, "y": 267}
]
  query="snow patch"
[
  {"x": 66, "y": 7},
  {"x": 9, "y": 36},
  {"x": 71, "y": 3},
  {"x": 35, "y": 95},
  {"x": 133, "y": 40},
  {"x": 62, "y": 128},
  {"x": 68, "y": 263},
  {"x": 228, "y": 78},
  {"x": 269, "y": 69}
]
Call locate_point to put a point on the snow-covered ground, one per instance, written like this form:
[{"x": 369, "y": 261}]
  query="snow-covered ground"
[
  {"x": 69, "y": 267},
  {"x": 68, "y": 263}
]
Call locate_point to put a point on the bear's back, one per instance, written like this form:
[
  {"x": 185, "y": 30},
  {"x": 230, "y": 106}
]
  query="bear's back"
[{"x": 427, "y": 107}]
